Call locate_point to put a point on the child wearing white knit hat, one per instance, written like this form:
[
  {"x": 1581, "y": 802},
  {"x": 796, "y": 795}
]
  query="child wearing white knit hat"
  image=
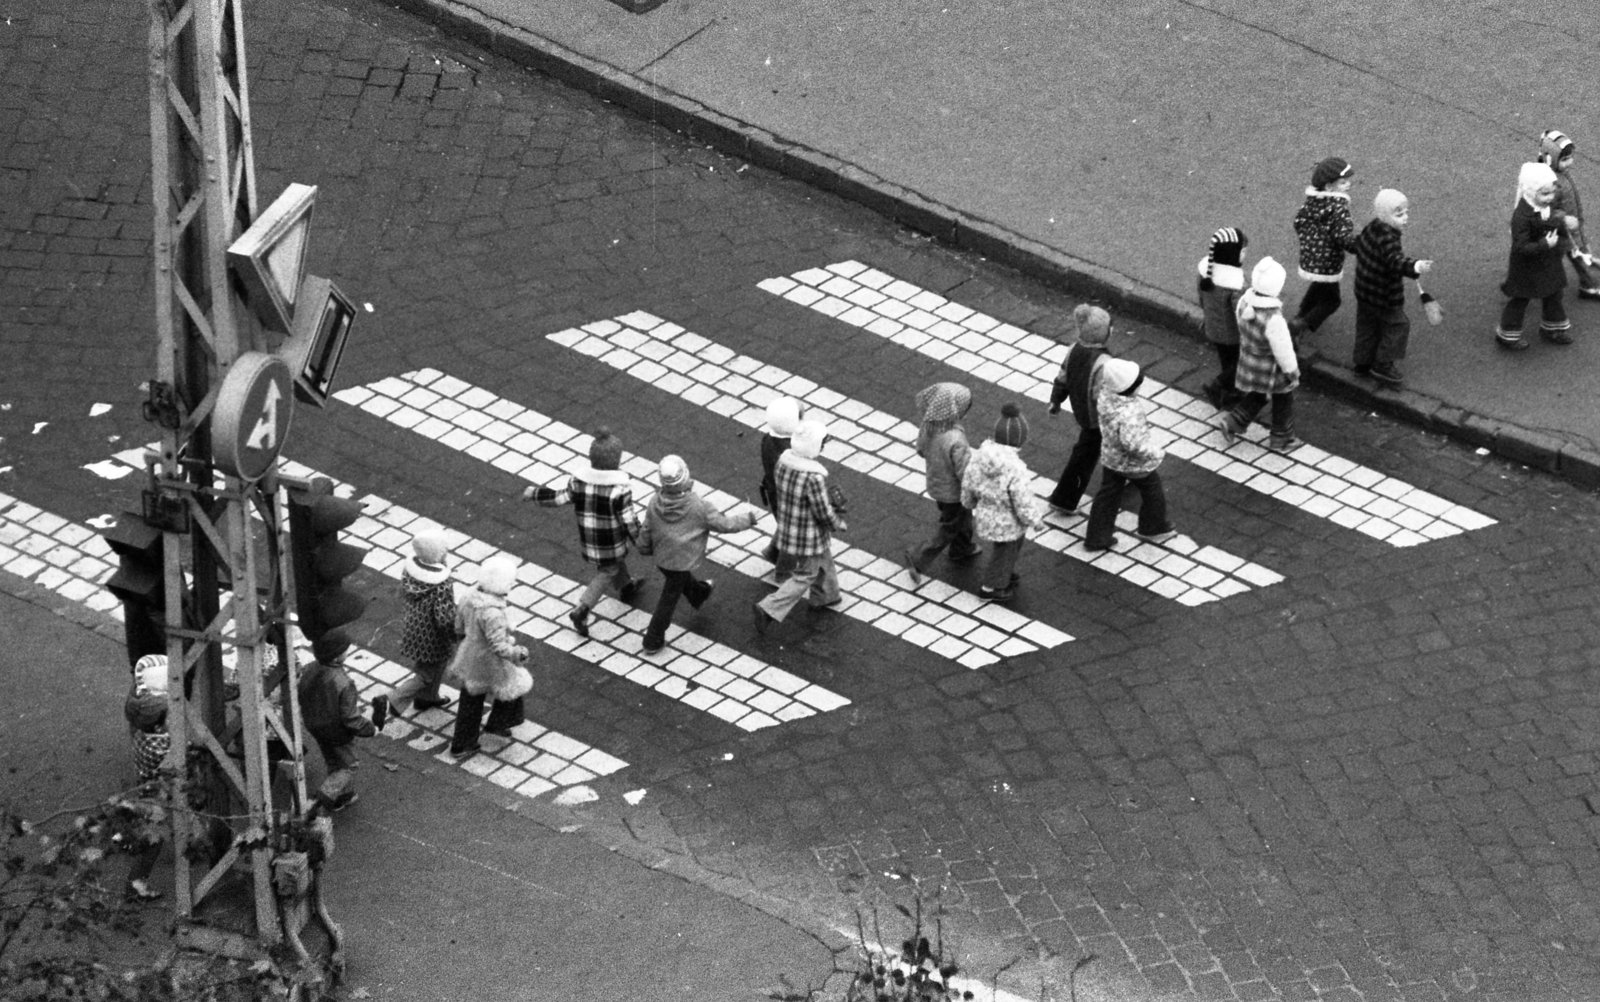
[{"x": 1268, "y": 368}]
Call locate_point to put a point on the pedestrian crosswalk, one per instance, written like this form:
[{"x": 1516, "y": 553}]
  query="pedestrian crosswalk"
[
  {"x": 1310, "y": 479},
  {"x": 73, "y": 561},
  {"x": 870, "y": 441},
  {"x": 942, "y": 619}
]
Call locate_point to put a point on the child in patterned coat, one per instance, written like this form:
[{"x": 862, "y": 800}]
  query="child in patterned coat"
[
  {"x": 602, "y": 497},
  {"x": 1131, "y": 457},
  {"x": 999, "y": 489},
  {"x": 428, "y": 631},
  {"x": 1326, "y": 233}
]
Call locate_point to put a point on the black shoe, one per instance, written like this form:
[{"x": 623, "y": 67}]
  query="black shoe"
[
  {"x": 1100, "y": 549},
  {"x": 423, "y": 705},
  {"x": 1001, "y": 595},
  {"x": 580, "y": 620},
  {"x": 710, "y": 587},
  {"x": 1361, "y": 370},
  {"x": 1589, "y": 293},
  {"x": 652, "y": 646},
  {"x": 1165, "y": 534},
  {"x": 467, "y": 752},
  {"x": 380, "y": 711},
  {"x": 761, "y": 618},
  {"x": 1556, "y": 337},
  {"x": 1387, "y": 374},
  {"x": 504, "y": 732},
  {"x": 1222, "y": 424},
  {"x": 627, "y": 591},
  {"x": 1509, "y": 344},
  {"x": 964, "y": 558},
  {"x": 348, "y": 800}
]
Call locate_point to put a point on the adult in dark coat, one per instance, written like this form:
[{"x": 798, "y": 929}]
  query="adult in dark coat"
[{"x": 1534, "y": 270}]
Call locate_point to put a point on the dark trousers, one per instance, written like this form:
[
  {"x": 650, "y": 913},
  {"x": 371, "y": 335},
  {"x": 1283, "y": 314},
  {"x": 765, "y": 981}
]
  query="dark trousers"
[
  {"x": 1108, "y": 501},
  {"x": 1552, "y": 314},
  {"x": 1319, "y": 303},
  {"x": 504, "y": 714},
  {"x": 1080, "y": 467},
  {"x": 677, "y": 583},
  {"x": 954, "y": 532},
  {"x": 1250, "y": 405},
  {"x": 1381, "y": 336},
  {"x": 1002, "y": 564},
  {"x": 1221, "y": 391}
]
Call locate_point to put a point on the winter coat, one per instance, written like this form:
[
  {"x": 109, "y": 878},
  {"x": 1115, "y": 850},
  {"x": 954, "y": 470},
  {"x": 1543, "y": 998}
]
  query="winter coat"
[
  {"x": 602, "y": 499},
  {"x": 805, "y": 513},
  {"x": 946, "y": 456},
  {"x": 1567, "y": 203},
  {"x": 676, "y": 527},
  {"x": 1381, "y": 267},
  {"x": 428, "y": 629},
  {"x": 1129, "y": 444},
  {"x": 488, "y": 660},
  {"x": 1072, "y": 383},
  {"x": 1534, "y": 270},
  {"x": 1219, "y": 300},
  {"x": 1266, "y": 349},
  {"x": 329, "y": 707},
  {"x": 772, "y": 447},
  {"x": 998, "y": 488},
  {"x": 1326, "y": 232}
]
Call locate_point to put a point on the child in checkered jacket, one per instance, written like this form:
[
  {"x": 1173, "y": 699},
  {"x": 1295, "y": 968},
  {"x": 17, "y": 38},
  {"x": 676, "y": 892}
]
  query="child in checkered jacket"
[{"x": 602, "y": 497}]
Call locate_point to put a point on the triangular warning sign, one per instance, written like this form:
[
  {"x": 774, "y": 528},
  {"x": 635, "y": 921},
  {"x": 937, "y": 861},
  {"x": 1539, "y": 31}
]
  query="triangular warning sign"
[{"x": 270, "y": 256}]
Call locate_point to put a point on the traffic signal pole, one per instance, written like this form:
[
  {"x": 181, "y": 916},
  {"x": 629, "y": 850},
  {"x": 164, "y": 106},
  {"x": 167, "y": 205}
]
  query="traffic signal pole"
[{"x": 226, "y": 595}]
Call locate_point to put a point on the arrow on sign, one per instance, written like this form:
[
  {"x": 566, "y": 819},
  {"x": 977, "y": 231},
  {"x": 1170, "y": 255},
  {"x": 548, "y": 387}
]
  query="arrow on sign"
[{"x": 265, "y": 433}]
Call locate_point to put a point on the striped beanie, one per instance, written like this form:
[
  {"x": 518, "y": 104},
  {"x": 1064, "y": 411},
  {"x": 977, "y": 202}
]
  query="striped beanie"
[{"x": 1227, "y": 248}]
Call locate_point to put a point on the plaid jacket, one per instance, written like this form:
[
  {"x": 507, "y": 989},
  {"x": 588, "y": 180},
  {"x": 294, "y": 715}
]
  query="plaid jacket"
[
  {"x": 1381, "y": 267},
  {"x": 806, "y": 517},
  {"x": 603, "y": 500}
]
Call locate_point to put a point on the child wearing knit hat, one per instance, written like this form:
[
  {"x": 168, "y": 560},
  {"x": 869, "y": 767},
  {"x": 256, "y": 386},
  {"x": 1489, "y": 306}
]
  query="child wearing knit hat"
[
  {"x": 675, "y": 528},
  {"x": 1073, "y": 384},
  {"x": 1268, "y": 367},
  {"x": 807, "y": 517},
  {"x": 1131, "y": 457},
  {"x": 1220, "y": 282},
  {"x": 332, "y": 715},
  {"x": 602, "y": 497},
  {"x": 1382, "y": 327},
  {"x": 1558, "y": 151},
  {"x": 427, "y": 629},
  {"x": 942, "y": 442},
  {"x": 1534, "y": 270},
  {"x": 999, "y": 489},
  {"x": 1326, "y": 232}
]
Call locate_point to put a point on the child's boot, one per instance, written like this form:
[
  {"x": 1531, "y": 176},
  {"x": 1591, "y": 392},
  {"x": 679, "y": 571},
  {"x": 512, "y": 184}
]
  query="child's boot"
[{"x": 1510, "y": 340}]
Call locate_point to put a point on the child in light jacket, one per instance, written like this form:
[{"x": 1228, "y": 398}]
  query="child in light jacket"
[
  {"x": 943, "y": 444},
  {"x": 1268, "y": 367},
  {"x": 1130, "y": 455},
  {"x": 998, "y": 488},
  {"x": 675, "y": 529}
]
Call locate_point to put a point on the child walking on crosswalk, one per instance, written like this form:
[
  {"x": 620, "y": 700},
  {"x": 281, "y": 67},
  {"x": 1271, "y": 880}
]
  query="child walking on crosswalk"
[{"x": 998, "y": 487}]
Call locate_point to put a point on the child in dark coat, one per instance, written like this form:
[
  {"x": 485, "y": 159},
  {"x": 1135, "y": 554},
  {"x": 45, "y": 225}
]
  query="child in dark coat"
[
  {"x": 1558, "y": 151},
  {"x": 1534, "y": 270},
  {"x": 428, "y": 631},
  {"x": 1326, "y": 231},
  {"x": 1382, "y": 327},
  {"x": 602, "y": 497},
  {"x": 332, "y": 716},
  {"x": 1221, "y": 280},
  {"x": 675, "y": 529},
  {"x": 1073, "y": 384}
]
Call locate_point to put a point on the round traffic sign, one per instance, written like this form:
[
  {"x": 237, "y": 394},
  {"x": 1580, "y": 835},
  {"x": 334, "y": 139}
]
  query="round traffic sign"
[{"x": 251, "y": 419}]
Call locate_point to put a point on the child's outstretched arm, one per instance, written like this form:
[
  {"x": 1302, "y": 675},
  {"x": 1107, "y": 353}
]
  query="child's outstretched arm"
[{"x": 548, "y": 497}]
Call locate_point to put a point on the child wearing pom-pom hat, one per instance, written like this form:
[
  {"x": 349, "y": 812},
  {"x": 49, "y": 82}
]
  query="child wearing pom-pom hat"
[
  {"x": 1219, "y": 285},
  {"x": 998, "y": 487}
]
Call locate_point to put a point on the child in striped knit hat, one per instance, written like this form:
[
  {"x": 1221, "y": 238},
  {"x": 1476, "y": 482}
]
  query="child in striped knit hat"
[{"x": 1220, "y": 283}]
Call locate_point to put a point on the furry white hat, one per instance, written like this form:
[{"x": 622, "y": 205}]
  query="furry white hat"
[
  {"x": 783, "y": 417},
  {"x": 1118, "y": 374},
  {"x": 1267, "y": 278},
  {"x": 807, "y": 440},
  {"x": 496, "y": 576}
]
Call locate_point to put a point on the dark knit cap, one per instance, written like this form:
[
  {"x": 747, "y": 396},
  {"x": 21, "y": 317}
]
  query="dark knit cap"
[
  {"x": 1012, "y": 428},
  {"x": 1328, "y": 171},
  {"x": 605, "y": 452},
  {"x": 330, "y": 647}
]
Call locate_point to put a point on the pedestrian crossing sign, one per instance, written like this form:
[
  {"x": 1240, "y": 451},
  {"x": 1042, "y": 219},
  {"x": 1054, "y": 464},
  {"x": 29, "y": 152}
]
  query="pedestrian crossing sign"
[{"x": 270, "y": 256}]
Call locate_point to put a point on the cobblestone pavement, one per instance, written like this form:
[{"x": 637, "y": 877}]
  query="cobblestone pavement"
[{"x": 1369, "y": 779}]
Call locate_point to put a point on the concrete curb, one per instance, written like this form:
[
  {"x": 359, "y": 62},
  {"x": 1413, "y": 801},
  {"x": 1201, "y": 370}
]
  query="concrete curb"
[{"x": 1123, "y": 294}]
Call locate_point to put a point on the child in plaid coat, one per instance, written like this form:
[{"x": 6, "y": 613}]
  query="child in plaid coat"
[
  {"x": 807, "y": 519},
  {"x": 602, "y": 497}
]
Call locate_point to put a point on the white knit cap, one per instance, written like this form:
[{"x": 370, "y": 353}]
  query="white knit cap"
[
  {"x": 152, "y": 671},
  {"x": 1267, "y": 277},
  {"x": 1117, "y": 374},
  {"x": 807, "y": 440},
  {"x": 783, "y": 416},
  {"x": 497, "y": 576}
]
